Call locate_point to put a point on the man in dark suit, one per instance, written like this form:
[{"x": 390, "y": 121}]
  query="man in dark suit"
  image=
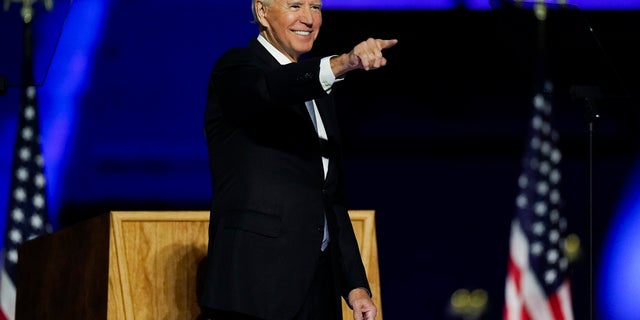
[{"x": 281, "y": 244}]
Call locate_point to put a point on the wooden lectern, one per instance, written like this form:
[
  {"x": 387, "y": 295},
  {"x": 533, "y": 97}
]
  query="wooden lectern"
[{"x": 135, "y": 265}]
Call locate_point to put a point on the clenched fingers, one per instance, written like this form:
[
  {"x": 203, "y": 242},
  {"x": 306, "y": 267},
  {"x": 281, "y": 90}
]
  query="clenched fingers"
[{"x": 369, "y": 53}]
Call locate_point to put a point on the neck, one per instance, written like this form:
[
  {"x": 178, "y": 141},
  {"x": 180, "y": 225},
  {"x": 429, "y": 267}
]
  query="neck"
[{"x": 275, "y": 44}]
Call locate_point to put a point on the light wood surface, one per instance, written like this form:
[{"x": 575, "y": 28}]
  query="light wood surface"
[
  {"x": 363, "y": 222},
  {"x": 154, "y": 257}
]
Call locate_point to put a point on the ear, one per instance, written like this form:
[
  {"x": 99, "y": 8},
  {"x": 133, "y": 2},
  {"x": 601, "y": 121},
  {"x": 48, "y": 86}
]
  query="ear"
[{"x": 261, "y": 13}]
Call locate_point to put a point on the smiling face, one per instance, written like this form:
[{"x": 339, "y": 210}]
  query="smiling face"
[{"x": 290, "y": 25}]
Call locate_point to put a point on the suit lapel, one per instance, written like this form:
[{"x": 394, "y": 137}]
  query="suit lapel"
[
  {"x": 271, "y": 62},
  {"x": 263, "y": 53}
]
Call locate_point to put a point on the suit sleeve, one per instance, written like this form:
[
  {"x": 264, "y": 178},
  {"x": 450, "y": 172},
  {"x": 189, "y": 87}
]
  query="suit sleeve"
[{"x": 247, "y": 87}]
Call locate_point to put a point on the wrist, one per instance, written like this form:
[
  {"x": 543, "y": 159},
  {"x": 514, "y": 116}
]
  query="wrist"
[{"x": 340, "y": 65}]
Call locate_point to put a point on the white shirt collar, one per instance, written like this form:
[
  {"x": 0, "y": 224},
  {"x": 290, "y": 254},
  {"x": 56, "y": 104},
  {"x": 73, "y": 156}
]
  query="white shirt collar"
[{"x": 282, "y": 59}]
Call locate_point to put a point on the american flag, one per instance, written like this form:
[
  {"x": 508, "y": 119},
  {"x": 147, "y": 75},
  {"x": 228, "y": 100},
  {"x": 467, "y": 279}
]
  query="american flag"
[
  {"x": 537, "y": 284},
  {"x": 27, "y": 216}
]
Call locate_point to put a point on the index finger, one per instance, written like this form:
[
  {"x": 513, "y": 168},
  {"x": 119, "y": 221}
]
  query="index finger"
[{"x": 386, "y": 43}]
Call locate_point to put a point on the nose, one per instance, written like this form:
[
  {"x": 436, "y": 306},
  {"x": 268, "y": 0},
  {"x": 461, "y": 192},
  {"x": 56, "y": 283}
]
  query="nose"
[{"x": 306, "y": 15}]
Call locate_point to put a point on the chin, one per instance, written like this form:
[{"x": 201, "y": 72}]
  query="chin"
[{"x": 304, "y": 49}]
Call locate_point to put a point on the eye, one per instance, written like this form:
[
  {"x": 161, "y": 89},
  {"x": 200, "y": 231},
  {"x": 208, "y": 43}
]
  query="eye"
[{"x": 316, "y": 7}]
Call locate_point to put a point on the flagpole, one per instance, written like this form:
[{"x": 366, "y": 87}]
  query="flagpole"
[
  {"x": 27, "y": 62},
  {"x": 588, "y": 96},
  {"x": 27, "y": 14}
]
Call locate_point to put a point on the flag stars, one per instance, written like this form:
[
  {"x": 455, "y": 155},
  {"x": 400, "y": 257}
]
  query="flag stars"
[
  {"x": 521, "y": 201},
  {"x": 523, "y": 181},
  {"x": 19, "y": 194},
  {"x": 15, "y": 236},
  {"x": 536, "y": 122},
  {"x": 40, "y": 161},
  {"x": 550, "y": 276},
  {"x": 546, "y": 128},
  {"x": 31, "y": 92},
  {"x": 27, "y": 133},
  {"x": 538, "y": 228},
  {"x": 22, "y": 174},
  {"x": 536, "y": 248},
  {"x": 562, "y": 223},
  {"x": 27, "y": 212},
  {"x": 563, "y": 264},
  {"x": 17, "y": 215},
  {"x": 546, "y": 148},
  {"x": 555, "y": 156},
  {"x": 540, "y": 208},
  {"x": 39, "y": 180},
  {"x": 12, "y": 256},
  {"x": 538, "y": 101},
  {"x": 539, "y": 215},
  {"x": 24, "y": 154},
  {"x": 555, "y": 176},
  {"x": 29, "y": 112},
  {"x": 544, "y": 168},
  {"x": 36, "y": 222},
  {"x": 38, "y": 201},
  {"x": 535, "y": 143},
  {"x": 554, "y": 196},
  {"x": 542, "y": 188},
  {"x": 552, "y": 256}
]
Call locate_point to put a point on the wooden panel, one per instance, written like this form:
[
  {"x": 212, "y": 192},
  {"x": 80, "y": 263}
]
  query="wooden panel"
[
  {"x": 63, "y": 275},
  {"x": 155, "y": 255},
  {"x": 363, "y": 222}
]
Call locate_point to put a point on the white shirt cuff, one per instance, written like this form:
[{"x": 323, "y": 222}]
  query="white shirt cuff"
[{"x": 327, "y": 79}]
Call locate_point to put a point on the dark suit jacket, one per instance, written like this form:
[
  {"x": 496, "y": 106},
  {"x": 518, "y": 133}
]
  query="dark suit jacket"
[{"x": 269, "y": 191}]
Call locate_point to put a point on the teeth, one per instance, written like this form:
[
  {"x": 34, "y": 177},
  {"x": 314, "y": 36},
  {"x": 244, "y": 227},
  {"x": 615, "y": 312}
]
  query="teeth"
[{"x": 303, "y": 33}]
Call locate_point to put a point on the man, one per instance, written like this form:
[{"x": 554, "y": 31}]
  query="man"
[{"x": 281, "y": 244}]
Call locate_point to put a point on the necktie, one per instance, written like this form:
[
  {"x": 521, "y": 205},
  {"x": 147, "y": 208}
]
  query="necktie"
[
  {"x": 325, "y": 237},
  {"x": 312, "y": 113}
]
